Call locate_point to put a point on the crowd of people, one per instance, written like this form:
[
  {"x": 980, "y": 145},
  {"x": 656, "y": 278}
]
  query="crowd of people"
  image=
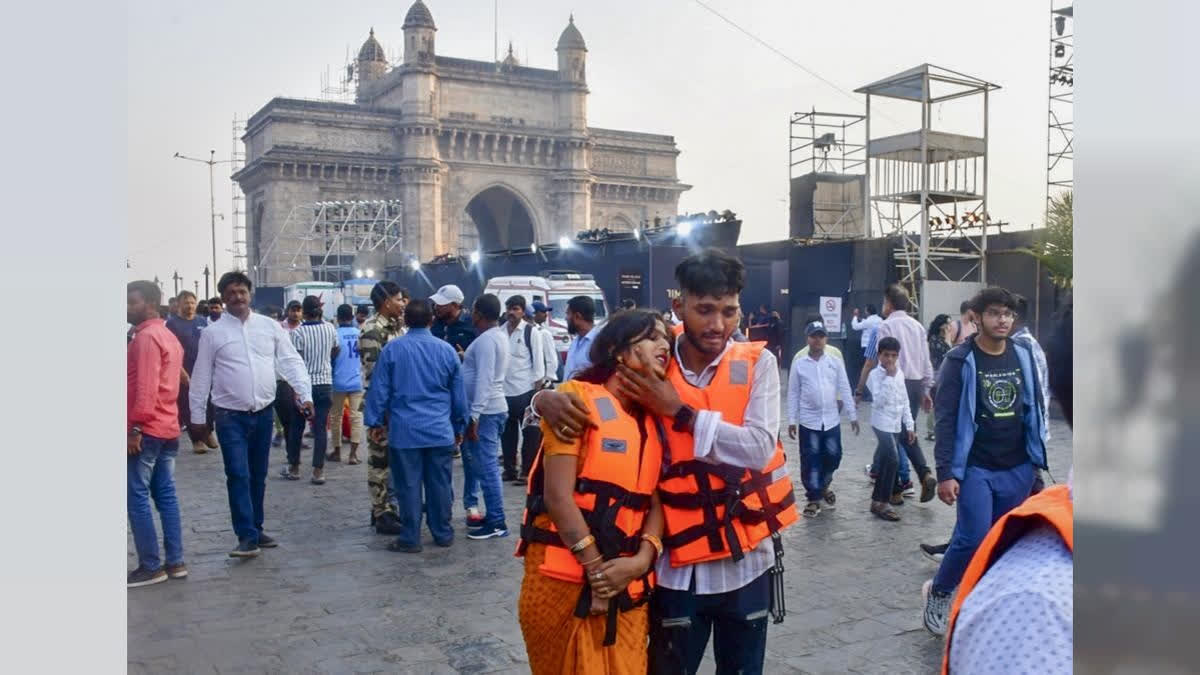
[{"x": 655, "y": 478}]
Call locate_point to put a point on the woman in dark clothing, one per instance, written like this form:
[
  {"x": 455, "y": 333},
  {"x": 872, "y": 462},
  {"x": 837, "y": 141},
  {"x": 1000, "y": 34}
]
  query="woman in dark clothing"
[{"x": 939, "y": 343}]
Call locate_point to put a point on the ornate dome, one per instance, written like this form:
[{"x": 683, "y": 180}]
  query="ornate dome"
[
  {"x": 418, "y": 17},
  {"x": 571, "y": 38},
  {"x": 372, "y": 50}
]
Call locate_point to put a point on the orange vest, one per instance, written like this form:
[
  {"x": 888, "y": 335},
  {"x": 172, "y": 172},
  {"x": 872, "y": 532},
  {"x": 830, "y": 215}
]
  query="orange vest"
[
  {"x": 622, "y": 461},
  {"x": 716, "y": 511},
  {"x": 1052, "y": 505}
]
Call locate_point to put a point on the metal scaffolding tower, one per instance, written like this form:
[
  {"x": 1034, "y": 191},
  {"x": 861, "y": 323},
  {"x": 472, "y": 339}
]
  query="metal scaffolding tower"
[
  {"x": 929, "y": 187},
  {"x": 238, "y": 160},
  {"x": 1060, "y": 131},
  {"x": 827, "y": 161},
  {"x": 322, "y": 241}
]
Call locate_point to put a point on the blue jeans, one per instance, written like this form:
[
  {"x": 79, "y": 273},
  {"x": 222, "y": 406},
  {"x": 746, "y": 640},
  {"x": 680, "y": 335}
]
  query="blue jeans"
[
  {"x": 245, "y": 440},
  {"x": 820, "y": 456},
  {"x": 984, "y": 496},
  {"x": 481, "y": 470},
  {"x": 322, "y": 400},
  {"x": 151, "y": 474},
  {"x": 413, "y": 469}
]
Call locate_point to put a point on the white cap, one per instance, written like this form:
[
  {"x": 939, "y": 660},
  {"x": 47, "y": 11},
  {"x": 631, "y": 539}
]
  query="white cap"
[{"x": 447, "y": 294}]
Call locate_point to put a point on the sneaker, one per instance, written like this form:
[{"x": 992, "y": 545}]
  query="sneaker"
[
  {"x": 266, "y": 542},
  {"x": 907, "y": 489},
  {"x": 388, "y": 523},
  {"x": 318, "y": 477},
  {"x": 934, "y": 553},
  {"x": 869, "y": 473},
  {"x": 928, "y": 487},
  {"x": 211, "y": 440},
  {"x": 447, "y": 543},
  {"x": 290, "y": 473},
  {"x": 519, "y": 481},
  {"x": 245, "y": 549},
  {"x": 474, "y": 517},
  {"x": 487, "y": 532},
  {"x": 144, "y": 577},
  {"x": 812, "y": 510},
  {"x": 508, "y": 477},
  {"x": 400, "y": 547},
  {"x": 177, "y": 571},
  {"x": 937, "y": 609}
]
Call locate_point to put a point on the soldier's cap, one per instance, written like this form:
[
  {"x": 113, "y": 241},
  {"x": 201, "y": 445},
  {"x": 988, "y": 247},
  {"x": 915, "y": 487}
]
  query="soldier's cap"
[
  {"x": 540, "y": 307},
  {"x": 814, "y": 328},
  {"x": 447, "y": 295}
]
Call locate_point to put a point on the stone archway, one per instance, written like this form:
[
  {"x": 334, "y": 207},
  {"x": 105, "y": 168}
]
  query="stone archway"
[{"x": 502, "y": 221}]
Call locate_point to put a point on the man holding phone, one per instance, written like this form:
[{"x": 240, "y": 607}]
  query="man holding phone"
[{"x": 237, "y": 362}]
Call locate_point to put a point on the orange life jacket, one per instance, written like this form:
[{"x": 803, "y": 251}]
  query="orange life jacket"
[
  {"x": 1052, "y": 505},
  {"x": 622, "y": 460},
  {"x": 716, "y": 511}
]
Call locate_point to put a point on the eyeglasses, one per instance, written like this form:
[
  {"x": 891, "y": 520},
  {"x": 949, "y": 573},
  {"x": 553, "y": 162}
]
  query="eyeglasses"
[{"x": 999, "y": 313}]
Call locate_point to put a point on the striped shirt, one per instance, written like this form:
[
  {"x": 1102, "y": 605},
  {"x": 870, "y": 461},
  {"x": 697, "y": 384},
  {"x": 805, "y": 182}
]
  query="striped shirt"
[
  {"x": 314, "y": 341},
  {"x": 914, "y": 350}
]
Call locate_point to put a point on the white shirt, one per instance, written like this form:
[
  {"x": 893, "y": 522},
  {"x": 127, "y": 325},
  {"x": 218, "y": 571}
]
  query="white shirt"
[
  {"x": 749, "y": 445},
  {"x": 889, "y": 401},
  {"x": 238, "y": 360},
  {"x": 484, "y": 366},
  {"x": 813, "y": 389},
  {"x": 549, "y": 352},
  {"x": 867, "y": 326},
  {"x": 523, "y": 372}
]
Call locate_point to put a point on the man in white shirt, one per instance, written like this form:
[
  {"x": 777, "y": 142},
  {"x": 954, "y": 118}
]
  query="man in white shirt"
[
  {"x": 526, "y": 370},
  {"x": 814, "y": 385},
  {"x": 238, "y": 361},
  {"x": 485, "y": 365},
  {"x": 541, "y": 320},
  {"x": 867, "y": 325}
]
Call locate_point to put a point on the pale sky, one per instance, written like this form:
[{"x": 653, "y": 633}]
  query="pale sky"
[{"x": 664, "y": 66}]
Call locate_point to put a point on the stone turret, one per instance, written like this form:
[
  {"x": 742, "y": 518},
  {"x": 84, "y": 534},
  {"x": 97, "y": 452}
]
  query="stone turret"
[
  {"x": 419, "y": 31},
  {"x": 372, "y": 64},
  {"x": 572, "y": 54}
]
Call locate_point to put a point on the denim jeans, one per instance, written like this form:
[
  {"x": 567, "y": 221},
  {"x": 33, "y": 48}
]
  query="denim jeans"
[
  {"x": 151, "y": 474},
  {"x": 887, "y": 461},
  {"x": 820, "y": 456},
  {"x": 245, "y": 440},
  {"x": 984, "y": 495},
  {"x": 427, "y": 470},
  {"x": 481, "y": 467},
  {"x": 681, "y": 621},
  {"x": 322, "y": 400}
]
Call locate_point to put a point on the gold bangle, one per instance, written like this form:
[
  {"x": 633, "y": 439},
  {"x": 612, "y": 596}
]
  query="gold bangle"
[
  {"x": 582, "y": 544},
  {"x": 655, "y": 542},
  {"x": 593, "y": 560}
]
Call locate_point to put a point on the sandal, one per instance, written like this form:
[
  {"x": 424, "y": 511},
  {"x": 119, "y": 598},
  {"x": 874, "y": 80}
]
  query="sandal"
[
  {"x": 335, "y": 456},
  {"x": 353, "y": 460},
  {"x": 830, "y": 498},
  {"x": 884, "y": 511},
  {"x": 812, "y": 510}
]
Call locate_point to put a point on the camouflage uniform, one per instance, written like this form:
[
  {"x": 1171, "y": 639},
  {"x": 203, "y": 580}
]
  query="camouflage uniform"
[{"x": 377, "y": 331}]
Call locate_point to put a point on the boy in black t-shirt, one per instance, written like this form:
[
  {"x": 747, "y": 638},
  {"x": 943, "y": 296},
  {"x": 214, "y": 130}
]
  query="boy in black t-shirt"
[{"x": 989, "y": 438}]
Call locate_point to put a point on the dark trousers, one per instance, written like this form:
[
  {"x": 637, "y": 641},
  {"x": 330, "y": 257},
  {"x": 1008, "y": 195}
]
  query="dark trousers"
[
  {"x": 887, "y": 464},
  {"x": 245, "y": 440},
  {"x": 680, "y": 623},
  {"x": 530, "y": 437},
  {"x": 913, "y": 450},
  {"x": 820, "y": 456},
  {"x": 322, "y": 400},
  {"x": 427, "y": 470},
  {"x": 285, "y": 405},
  {"x": 185, "y": 408}
]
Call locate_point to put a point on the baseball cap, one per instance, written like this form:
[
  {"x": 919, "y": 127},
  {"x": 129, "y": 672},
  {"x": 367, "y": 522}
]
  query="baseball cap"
[
  {"x": 294, "y": 303},
  {"x": 446, "y": 295},
  {"x": 540, "y": 307},
  {"x": 814, "y": 328}
]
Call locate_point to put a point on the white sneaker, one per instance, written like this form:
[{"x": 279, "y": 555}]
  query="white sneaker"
[
  {"x": 867, "y": 473},
  {"x": 910, "y": 492},
  {"x": 937, "y": 609}
]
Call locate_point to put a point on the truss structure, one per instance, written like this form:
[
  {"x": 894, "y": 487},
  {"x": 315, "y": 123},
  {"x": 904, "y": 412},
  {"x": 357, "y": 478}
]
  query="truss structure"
[
  {"x": 827, "y": 158},
  {"x": 321, "y": 241},
  {"x": 928, "y": 188},
  {"x": 1060, "y": 131},
  {"x": 237, "y": 160}
]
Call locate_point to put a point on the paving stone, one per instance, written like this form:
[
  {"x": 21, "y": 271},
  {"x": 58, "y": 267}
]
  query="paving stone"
[{"x": 331, "y": 598}]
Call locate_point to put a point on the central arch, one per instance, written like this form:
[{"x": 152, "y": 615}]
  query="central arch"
[{"x": 502, "y": 221}]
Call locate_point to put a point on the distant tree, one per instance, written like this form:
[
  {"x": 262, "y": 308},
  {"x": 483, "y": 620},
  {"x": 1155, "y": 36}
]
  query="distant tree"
[{"x": 1054, "y": 246}]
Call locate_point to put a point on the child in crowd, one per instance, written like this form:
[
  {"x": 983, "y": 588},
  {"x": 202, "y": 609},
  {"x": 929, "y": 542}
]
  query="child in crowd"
[{"x": 890, "y": 416}]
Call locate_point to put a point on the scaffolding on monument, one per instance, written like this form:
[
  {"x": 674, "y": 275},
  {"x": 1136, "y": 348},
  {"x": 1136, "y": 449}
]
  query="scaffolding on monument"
[
  {"x": 827, "y": 160},
  {"x": 1060, "y": 116},
  {"x": 320, "y": 241},
  {"x": 237, "y": 160},
  {"x": 929, "y": 187}
]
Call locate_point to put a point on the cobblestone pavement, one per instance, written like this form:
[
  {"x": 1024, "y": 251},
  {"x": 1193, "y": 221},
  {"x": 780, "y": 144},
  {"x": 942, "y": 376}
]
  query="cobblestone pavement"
[{"x": 331, "y": 598}]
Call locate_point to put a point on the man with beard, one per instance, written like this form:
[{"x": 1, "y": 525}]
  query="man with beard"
[
  {"x": 453, "y": 324},
  {"x": 581, "y": 325},
  {"x": 216, "y": 307},
  {"x": 720, "y": 410}
]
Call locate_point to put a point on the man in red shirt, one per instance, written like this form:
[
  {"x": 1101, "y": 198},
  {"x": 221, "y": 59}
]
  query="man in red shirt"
[{"x": 154, "y": 359}]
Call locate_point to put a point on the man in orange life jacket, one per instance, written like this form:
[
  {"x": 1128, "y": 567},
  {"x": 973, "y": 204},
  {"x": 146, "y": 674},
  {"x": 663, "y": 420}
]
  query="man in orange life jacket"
[
  {"x": 1014, "y": 607},
  {"x": 725, "y": 489}
]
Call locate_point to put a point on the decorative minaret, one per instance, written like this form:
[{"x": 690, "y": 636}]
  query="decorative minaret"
[
  {"x": 573, "y": 183},
  {"x": 422, "y": 173},
  {"x": 372, "y": 64}
]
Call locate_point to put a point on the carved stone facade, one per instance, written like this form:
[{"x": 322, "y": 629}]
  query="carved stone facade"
[{"x": 485, "y": 156}]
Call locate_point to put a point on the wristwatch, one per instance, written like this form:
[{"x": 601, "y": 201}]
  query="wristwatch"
[{"x": 683, "y": 418}]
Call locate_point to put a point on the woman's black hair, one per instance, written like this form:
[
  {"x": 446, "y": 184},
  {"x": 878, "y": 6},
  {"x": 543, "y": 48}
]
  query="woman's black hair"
[
  {"x": 935, "y": 326},
  {"x": 621, "y": 331}
]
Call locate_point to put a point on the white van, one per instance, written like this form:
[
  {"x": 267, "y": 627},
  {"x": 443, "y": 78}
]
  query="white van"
[
  {"x": 330, "y": 294},
  {"x": 554, "y": 289}
]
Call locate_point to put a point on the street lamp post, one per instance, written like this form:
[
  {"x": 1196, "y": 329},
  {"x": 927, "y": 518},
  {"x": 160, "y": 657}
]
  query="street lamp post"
[
  {"x": 196, "y": 283},
  {"x": 206, "y": 273},
  {"x": 212, "y": 202},
  {"x": 176, "y": 278}
]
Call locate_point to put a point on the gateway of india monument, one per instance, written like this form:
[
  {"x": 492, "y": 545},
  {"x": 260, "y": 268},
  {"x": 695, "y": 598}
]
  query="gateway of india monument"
[{"x": 471, "y": 155}]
